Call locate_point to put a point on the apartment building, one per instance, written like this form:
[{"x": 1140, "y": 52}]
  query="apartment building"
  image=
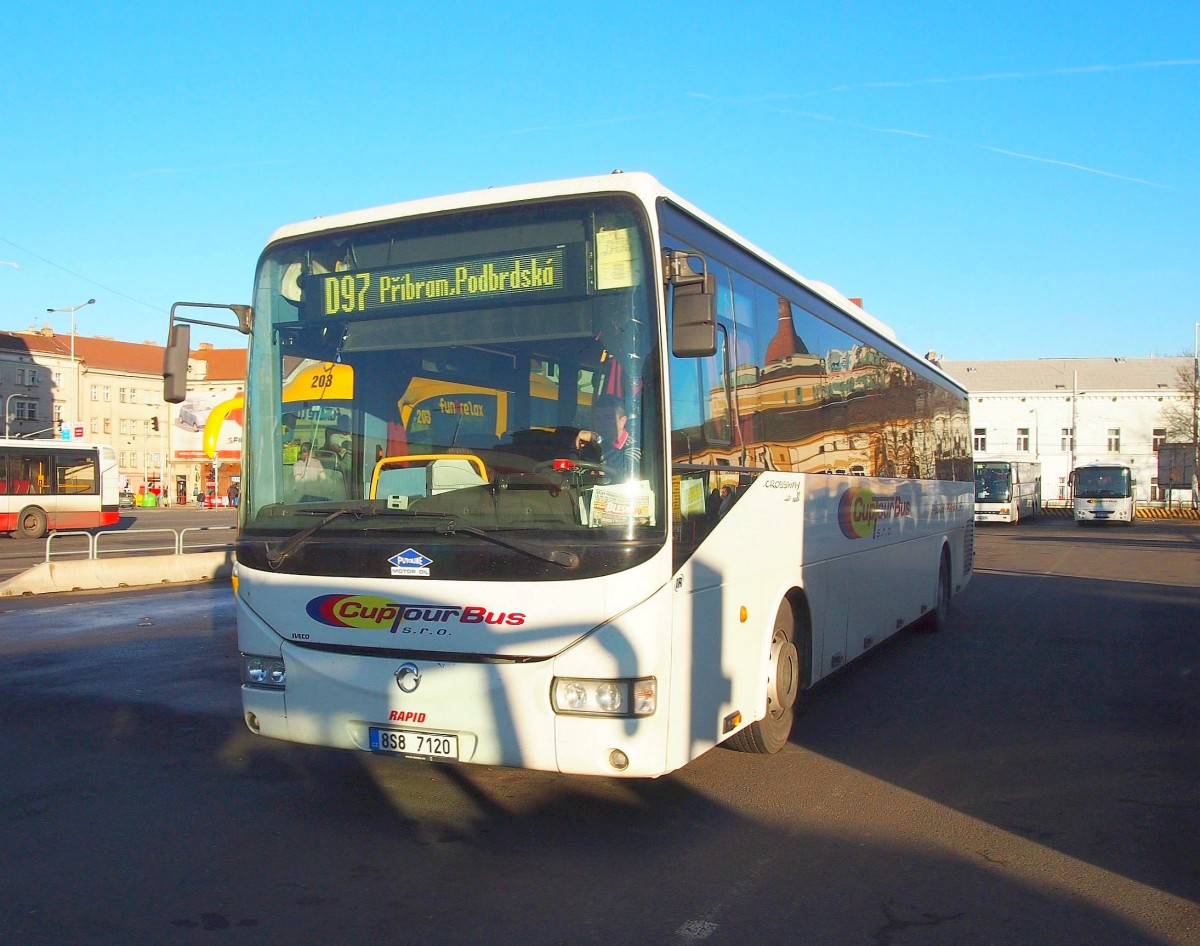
[{"x": 106, "y": 391}]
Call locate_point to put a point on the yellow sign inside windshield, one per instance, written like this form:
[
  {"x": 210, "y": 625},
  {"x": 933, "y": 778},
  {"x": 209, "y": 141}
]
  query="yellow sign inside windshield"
[
  {"x": 323, "y": 381},
  {"x": 359, "y": 292}
]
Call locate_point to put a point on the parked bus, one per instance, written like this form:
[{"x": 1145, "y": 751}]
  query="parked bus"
[
  {"x": 1007, "y": 490},
  {"x": 48, "y": 485},
  {"x": 1103, "y": 492},
  {"x": 593, "y": 510}
]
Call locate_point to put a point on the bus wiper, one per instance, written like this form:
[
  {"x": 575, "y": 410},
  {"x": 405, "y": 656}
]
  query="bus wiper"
[
  {"x": 557, "y": 557},
  {"x": 445, "y": 524},
  {"x": 277, "y": 555}
]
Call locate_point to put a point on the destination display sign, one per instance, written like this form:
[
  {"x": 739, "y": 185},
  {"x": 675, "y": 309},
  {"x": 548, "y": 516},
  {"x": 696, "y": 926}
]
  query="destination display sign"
[{"x": 532, "y": 273}]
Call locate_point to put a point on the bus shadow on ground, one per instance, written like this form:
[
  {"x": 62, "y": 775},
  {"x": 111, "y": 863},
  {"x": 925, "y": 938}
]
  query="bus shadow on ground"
[
  {"x": 1064, "y": 710},
  {"x": 331, "y": 843}
]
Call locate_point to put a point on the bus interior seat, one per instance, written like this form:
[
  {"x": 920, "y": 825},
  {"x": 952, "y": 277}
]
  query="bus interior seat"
[
  {"x": 317, "y": 483},
  {"x": 539, "y": 443}
]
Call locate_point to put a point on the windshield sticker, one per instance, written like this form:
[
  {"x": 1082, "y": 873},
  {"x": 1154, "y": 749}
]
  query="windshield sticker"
[
  {"x": 614, "y": 259},
  {"x": 863, "y": 515},
  {"x": 410, "y": 564},
  {"x": 370, "y": 613}
]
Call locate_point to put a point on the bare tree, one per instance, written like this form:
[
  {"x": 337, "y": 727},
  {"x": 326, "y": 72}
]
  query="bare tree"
[{"x": 1180, "y": 416}]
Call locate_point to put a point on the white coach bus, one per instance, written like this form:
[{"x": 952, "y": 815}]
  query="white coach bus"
[
  {"x": 1103, "y": 492},
  {"x": 571, "y": 477},
  {"x": 1007, "y": 490}
]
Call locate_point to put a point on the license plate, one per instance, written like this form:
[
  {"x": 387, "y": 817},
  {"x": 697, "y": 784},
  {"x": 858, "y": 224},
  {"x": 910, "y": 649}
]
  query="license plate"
[{"x": 421, "y": 745}]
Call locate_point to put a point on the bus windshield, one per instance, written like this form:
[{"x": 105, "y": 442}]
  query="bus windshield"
[
  {"x": 484, "y": 381},
  {"x": 1106, "y": 482},
  {"x": 993, "y": 483}
]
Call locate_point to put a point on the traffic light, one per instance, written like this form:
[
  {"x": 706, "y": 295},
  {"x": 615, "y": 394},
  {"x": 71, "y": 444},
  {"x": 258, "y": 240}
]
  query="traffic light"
[{"x": 154, "y": 423}]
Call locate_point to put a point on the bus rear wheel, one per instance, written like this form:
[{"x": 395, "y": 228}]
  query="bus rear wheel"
[
  {"x": 31, "y": 523},
  {"x": 771, "y": 733}
]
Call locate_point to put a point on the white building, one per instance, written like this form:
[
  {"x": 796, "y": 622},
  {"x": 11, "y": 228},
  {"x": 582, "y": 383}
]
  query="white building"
[{"x": 1064, "y": 412}]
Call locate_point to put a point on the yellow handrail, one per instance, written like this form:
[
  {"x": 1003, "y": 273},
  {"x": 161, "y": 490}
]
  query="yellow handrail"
[{"x": 389, "y": 462}]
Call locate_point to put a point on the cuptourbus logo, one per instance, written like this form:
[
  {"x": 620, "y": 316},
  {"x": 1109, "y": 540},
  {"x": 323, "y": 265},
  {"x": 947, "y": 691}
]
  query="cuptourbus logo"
[
  {"x": 863, "y": 515},
  {"x": 369, "y": 613}
]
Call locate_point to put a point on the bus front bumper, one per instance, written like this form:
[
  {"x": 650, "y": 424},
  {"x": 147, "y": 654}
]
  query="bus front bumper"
[{"x": 492, "y": 714}]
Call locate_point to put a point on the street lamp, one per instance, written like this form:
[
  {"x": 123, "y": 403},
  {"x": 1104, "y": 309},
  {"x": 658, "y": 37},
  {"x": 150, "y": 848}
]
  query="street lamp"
[
  {"x": 7, "y": 401},
  {"x": 1195, "y": 413},
  {"x": 74, "y": 367}
]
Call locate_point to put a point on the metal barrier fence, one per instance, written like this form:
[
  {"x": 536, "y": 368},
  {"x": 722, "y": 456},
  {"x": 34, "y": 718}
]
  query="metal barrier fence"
[{"x": 178, "y": 546}]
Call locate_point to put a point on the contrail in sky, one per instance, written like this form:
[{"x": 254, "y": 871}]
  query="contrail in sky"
[
  {"x": 985, "y": 77},
  {"x": 1070, "y": 164},
  {"x": 905, "y": 133},
  {"x": 949, "y": 80}
]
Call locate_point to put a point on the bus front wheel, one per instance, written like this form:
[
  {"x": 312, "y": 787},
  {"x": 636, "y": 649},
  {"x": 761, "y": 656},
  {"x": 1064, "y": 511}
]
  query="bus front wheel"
[
  {"x": 937, "y": 617},
  {"x": 31, "y": 523},
  {"x": 771, "y": 733}
]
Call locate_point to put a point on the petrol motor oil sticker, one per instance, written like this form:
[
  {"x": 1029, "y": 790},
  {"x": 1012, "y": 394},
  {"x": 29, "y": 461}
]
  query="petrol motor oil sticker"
[{"x": 410, "y": 564}]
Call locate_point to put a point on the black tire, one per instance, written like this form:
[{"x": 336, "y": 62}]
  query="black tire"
[
  {"x": 784, "y": 682},
  {"x": 31, "y": 523},
  {"x": 938, "y": 617}
]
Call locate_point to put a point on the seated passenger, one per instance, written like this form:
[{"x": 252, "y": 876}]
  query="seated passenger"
[{"x": 313, "y": 481}]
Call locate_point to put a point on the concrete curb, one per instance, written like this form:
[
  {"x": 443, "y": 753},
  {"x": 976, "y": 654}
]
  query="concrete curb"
[
  {"x": 128, "y": 571},
  {"x": 1143, "y": 512}
]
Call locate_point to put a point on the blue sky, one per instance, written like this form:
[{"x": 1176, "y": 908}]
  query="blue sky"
[{"x": 996, "y": 181}]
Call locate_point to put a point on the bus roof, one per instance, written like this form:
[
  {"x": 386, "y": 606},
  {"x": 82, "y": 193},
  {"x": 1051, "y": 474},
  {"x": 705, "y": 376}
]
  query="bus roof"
[
  {"x": 638, "y": 183},
  {"x": 53, "y": 443}
]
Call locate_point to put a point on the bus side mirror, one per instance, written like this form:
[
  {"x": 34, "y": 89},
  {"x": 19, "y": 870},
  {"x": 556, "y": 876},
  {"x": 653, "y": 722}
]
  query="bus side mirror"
[
  {"x": 175, "y": 364},
  {"x": 693, "y": 312}
]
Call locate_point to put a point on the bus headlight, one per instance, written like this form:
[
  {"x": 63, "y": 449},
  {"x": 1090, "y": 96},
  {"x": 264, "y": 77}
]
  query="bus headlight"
[
  {"x": 627, "y": 697},
  {"x": 266, "y": 672}
]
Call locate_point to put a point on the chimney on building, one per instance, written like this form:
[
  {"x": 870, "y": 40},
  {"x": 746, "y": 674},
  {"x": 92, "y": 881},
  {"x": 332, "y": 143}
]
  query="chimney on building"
[{"x": 785, "y": 342}]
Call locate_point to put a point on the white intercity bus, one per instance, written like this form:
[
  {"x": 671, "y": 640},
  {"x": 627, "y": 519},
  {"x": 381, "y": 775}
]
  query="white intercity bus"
[
  {"x": 571, "y": 477},
  {"x": 1103, "y": 492},
  {"x": 49, "y": 485},
  {"x": 1007, "y": 490}
]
